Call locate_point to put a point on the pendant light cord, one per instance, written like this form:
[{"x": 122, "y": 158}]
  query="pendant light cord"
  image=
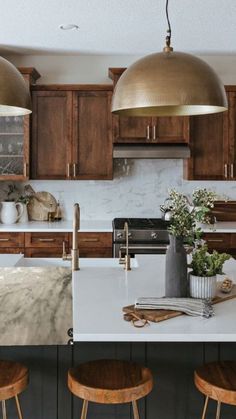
[{"x": 168, "y": 37}]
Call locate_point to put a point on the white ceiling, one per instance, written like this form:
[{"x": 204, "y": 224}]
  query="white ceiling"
[{"x": 117, "y": 26}]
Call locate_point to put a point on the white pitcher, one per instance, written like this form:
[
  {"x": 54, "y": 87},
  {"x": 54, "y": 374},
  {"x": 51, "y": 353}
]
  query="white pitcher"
[{"x": 11, "y": 212}]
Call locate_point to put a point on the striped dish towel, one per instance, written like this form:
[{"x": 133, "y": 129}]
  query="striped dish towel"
[{"x": 190, "y": 306}]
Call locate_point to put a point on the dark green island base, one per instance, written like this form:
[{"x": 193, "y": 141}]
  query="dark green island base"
[{"x": 174, "y": 395}]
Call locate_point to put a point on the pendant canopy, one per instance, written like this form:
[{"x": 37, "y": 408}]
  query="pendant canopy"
[
  {"x": 14, "y": 93},
  {"x": 169, "y": 83}
]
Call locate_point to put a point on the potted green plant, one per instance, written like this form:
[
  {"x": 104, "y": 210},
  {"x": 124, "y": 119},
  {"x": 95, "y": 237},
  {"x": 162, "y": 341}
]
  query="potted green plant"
[
  {"x": 205, "y": 267},
  {"x": 24, "y": 200}
]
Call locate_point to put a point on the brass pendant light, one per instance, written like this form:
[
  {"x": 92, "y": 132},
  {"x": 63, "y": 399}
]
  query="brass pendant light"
[
  {"x": 169, "y": 83},
  {"x": 14, "y": 93}
]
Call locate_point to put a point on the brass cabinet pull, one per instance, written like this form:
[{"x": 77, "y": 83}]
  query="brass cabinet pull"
[
  {"x": 46, "y": 240},
  {"x": 89, "y": 240},
  {"x": 68, "y": 169},
  {"x": 215, "y": 240},
  {"x": 154, "y": 133},
  {"x": 232, "y": 171},
  {"x": 25, "y": 174},
  {"x": 74, "y": 169},
  {"x": 4, "y": 240},
  {"x": 148, "y": 132},
  {"x": 226, "y": 171}
]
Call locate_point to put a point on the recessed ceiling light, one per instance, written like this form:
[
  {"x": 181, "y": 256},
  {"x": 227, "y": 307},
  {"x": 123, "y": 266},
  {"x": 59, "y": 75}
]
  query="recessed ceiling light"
[{"x": 69, "y": 26}]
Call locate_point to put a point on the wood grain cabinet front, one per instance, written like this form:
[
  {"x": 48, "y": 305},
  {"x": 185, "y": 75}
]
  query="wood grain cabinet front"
[
  {"x": 11, "y": 240},
  {"x": 213, "y": 144},
  {"x": 45, "y": 245},
  {"x": 94, "y": 244},
  {"x": 72, "y": 132},
  {"x": 46, "y": 239},
  {"x": 138, "y": 130}
]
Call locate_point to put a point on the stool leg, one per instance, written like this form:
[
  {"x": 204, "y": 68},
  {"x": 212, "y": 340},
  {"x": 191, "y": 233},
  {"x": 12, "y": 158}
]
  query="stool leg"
[
  {"x": 205, "y": 407},
  {"x": 18, "y": 407},
  {"x": 135, "y": 410},
  {"x": 218, "y": 410},
  {"x": 84, "y": 410},
  {"x": 4, "y": 412}
]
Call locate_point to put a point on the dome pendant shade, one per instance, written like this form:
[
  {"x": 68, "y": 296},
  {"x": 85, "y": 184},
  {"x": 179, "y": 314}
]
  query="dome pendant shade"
[
  {"x": 167, "y": 84},
  {"x": 14, "y": 93}
]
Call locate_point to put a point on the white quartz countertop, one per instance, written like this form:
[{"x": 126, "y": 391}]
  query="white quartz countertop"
[
  {"x": 100, "y": 293},
  {"x": 60, "y": 226},
  {"x": 96, "y": 226}
]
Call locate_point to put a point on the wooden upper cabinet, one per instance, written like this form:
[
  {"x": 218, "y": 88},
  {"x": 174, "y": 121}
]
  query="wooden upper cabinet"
[
  {"x": 213, "y": 144},
  {"x": 232, "y": 133},
  {"x": 131, "y": 129},
  {"x": 15, "y": 139},
  {"x": 209, "y": 148},
  {"x": 148, "y": 130},
  {"x": 51, "y": 134},
  {"x": 92, "y": 135}
]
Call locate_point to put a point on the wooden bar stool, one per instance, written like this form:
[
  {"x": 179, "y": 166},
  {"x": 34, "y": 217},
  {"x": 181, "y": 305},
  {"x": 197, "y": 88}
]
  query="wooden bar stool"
[
  {"x": 13, "y": 380},
  {"x": 217, "y": 381},
  {"x": 110, "y": 382}
]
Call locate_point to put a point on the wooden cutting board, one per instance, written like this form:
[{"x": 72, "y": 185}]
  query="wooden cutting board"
[{"x": 157, "y": 316}]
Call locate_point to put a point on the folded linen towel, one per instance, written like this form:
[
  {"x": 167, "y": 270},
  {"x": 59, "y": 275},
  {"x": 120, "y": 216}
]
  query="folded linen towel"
[{"x": 190, "y": 306}]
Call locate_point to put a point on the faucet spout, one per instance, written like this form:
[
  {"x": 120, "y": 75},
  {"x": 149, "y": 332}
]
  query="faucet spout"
[
  {"x": 75, "y": 247},
  {"x": 127, "y": 256}
]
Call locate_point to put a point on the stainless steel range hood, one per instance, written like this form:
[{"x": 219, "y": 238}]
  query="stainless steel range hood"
[{"x": 151, "y": 151}]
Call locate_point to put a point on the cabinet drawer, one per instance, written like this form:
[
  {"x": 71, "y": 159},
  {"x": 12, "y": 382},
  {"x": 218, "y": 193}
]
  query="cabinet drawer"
[
  {"x": 11, "y": 240},
  {"x": 220, "y": 241},
  {"x": 12, "y": 250},
  {"x": 46, "y": 252},
  {"x": 105, "y": 252},
  {"x": 45, "y": 239},
  {"x": 91, "y": 240}
]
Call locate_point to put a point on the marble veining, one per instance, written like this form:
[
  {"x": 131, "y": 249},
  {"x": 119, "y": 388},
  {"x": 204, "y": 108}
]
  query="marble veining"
[{"x": 35, "y": 305}]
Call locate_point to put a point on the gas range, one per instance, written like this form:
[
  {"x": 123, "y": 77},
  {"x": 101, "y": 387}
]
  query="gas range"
[{"x": 146, "y": 235}]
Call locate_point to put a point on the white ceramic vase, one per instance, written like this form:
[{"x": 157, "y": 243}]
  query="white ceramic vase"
[
  {"x": 202, "y": 286},
  {"x": 11, "y": 212}
]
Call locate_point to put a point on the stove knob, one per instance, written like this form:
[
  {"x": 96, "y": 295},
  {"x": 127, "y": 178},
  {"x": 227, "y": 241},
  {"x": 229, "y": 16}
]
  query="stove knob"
[
  {"x": 119, "y": 235},
  {"x": 154, "y": 235}
]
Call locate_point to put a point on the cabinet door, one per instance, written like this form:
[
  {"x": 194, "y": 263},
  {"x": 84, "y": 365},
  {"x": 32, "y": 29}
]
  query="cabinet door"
[
  {"x": 92, "y": 135},
  {"x": 209, "y": 148},
  {"x": 131, "y": 129},
  {"x": 232, "y": 134},
  {"x": 174, "y": 129},
  {"x": 51, "y": 136},
  {"x": 14, "y": 148}
]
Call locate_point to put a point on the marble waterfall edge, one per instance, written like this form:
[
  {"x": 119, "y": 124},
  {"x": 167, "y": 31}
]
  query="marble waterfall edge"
[{"x": 36, "y": 305}]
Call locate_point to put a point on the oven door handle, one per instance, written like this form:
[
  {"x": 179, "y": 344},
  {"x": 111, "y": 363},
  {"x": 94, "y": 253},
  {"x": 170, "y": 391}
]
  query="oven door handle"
[{"x": 145, "y": 247}]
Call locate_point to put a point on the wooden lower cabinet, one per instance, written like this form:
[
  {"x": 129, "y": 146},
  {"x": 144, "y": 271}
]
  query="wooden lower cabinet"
[
  {"x": 50, "y": 245},
  {"x": 11, "y": 240},
  {"x": 46, "y": 252},
  {"x": 222, "y": 242},
  {"x": 94, "y": 245}
]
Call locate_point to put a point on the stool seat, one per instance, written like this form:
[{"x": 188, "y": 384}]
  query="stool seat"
[
  {"x": 217, "y": 380},
  {"x": 13, "y": 379},
  {"x": 110, "y": 381}
]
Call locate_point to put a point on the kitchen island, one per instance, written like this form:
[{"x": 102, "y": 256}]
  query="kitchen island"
[
  {"x": 100, "y": 294},
  {"x": 172, "y": 349}
]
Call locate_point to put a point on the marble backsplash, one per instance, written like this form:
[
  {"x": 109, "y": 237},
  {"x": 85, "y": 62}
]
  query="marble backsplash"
[{"x": 137, "y": 190}]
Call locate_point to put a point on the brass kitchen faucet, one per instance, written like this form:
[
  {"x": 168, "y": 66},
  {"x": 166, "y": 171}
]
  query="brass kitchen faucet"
[{"x": 74, "y": 256}]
